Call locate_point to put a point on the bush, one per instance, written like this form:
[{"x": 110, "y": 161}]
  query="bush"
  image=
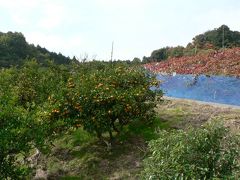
[
  {"x": 107, "y": 99},
  {"x": 24, "y": 114},
  {"x": 209, "y": 152},
  {"x": 15, "y": 132}
]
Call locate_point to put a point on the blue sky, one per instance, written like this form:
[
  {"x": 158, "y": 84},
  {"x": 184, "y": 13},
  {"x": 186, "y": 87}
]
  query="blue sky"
[{"x": 79, "y": 27}]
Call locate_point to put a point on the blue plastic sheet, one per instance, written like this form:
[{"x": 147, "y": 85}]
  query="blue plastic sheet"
[{"x": 218, "y": 89}]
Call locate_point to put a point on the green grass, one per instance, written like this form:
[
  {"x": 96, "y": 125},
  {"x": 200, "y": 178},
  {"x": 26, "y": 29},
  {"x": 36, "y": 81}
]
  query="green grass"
[
  {"x": 140, "y": 129},
  {"x": 79, "y": 155},
  {"x": 165, "y": 120}
]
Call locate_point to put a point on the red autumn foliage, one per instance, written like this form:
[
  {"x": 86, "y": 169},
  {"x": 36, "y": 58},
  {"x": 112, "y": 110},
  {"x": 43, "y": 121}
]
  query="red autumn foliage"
[{"x": 222, "y": 62}]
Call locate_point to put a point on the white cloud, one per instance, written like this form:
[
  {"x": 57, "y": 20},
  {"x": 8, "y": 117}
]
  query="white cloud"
[
  {"x": 19, "y": 11},
  {"x": 137, "y": 26},
  {"x": 53, "y": 15},
  {"x": 57, "y": 43},
  {"x": 121, "y": 3},
  {"x": 37, "y": 13},
  {"x": 19, "y": 4},
  {"x": 216, "y": 17}
]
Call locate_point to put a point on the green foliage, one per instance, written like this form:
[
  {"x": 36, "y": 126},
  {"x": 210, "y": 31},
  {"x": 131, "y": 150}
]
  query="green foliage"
[
  {"x": 218, "y": 38},
  {"x": 136, "y": 60},
  {"x": 145, "y": 59},
  {"x": 13, "y": 49},
  {"x": 211, "y": 40},
  {"x": 160, "y": 54},
  {"x": 164, "y": 53},
  {"x": 12, "y": 120},
  {"x": 176, "y": 51},
  {"x": 107, "y": 99},
  {"x": 39, "y": 103},
  {"x": 15, "y": 132},
  {"x": 24, "y": 114},
  {"x": 210, "y": 152}
]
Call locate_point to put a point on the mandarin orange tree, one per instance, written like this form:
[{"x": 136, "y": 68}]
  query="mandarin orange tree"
[
  {"x": 108, "y": 98},
  {"x": 25, "y": 112},
  {"x": 17, "y": 128}
]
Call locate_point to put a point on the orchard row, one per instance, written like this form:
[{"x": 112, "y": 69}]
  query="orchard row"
[{"x": 38, "y": 104}]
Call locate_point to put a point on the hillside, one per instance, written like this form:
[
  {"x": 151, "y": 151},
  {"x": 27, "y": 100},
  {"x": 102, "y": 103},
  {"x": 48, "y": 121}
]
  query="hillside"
[
  {"x": 14, "y": 50},
  {"x": 221, "y": 62},
  {"x": 221, "y": 37}
]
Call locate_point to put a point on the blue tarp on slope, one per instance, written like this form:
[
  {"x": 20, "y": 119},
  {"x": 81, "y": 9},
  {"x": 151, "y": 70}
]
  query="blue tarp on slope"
[{"x": 218, "y": 89}]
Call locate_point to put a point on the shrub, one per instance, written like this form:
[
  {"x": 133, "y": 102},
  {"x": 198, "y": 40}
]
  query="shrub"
[
  {"x": 16, "y": 129},
  {"x": 209, "y": 152},
  {"x": 107, "y": 99},
  {"x": 24, "y": 116}
]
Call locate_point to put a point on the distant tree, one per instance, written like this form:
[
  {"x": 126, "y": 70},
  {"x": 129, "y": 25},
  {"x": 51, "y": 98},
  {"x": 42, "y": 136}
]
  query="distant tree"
[
  {"x": 136, "y": 60},
  {"x": 218, "y": 38},
  {"x": 160, "y": 54},
  {"x": 74, "y": 59},
  {"x": 13, "y": 48},
  {"x": 190, "y": 50},
  {"x": 199, "y": 40},
  {"x": 176, "y": 51},
  {"x": 145, "y": 59},
  {"x": 210, "y": 40}
]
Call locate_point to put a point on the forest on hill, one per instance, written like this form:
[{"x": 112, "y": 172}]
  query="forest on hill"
[
  {"x": 14, "y": 50},
  {"x": 211, "y": 40}
]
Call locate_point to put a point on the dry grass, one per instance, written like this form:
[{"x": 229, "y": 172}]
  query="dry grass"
[{"x": 193, "y": 113}]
